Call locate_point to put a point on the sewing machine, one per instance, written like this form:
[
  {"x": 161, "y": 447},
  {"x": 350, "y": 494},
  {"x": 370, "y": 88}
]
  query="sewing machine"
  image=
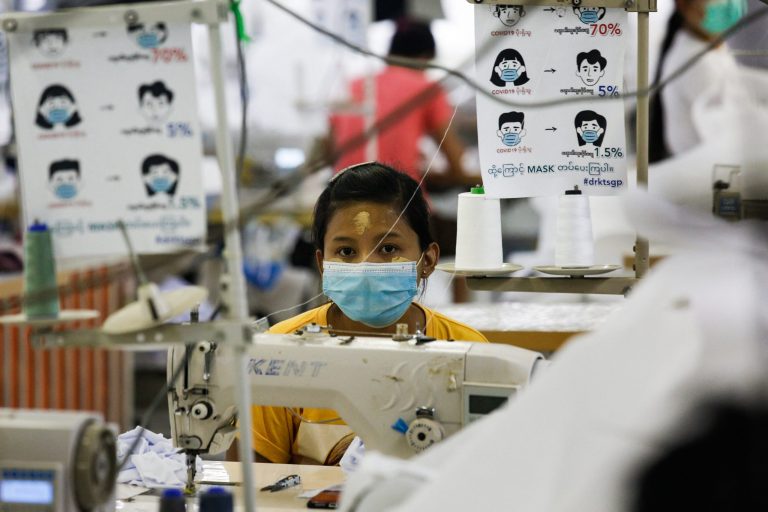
[
  {"x": 56, "y": 461},
  {"x": 399, "y": 397}
]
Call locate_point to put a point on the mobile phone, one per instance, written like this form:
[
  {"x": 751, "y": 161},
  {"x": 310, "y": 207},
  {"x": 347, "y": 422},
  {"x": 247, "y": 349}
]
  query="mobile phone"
[{"x": 328, "y": 498}]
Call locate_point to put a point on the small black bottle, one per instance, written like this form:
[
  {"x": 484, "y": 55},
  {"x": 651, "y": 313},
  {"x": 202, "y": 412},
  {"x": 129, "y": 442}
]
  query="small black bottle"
[
  {"x": 216, "y": 499},
  {"x": 173, "y": 500}
]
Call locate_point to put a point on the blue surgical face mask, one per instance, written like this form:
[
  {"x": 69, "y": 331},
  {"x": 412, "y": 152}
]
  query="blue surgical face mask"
[
  {"x": 509, "y": 75},
  {"x": 263, "y": 274},
  {"x": 720, "y": 15},
  {"x": 588, "y": 17},
  {"x": 376, "y": 294},
  {"x": 65, "y": 191},
  {"x": 511, "y": 139},
  {"x": 161, "y": 184},
  {"x": 589, "y": 136},
  {"x": 148, "y": 41},
  {"x": 58, "y": 115}
]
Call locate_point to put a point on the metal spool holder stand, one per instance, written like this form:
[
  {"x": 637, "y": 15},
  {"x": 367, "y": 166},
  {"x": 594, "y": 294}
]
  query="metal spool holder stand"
[{"x": 211, "y": 13}]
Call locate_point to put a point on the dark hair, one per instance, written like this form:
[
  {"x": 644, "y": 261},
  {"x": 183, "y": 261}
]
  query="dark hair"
[
  {"x": 657, "y": 138},
  {"x": 40, "y": 34},
  {"x": 157, "y": 159},
  {"x": 63, "y": 165},
  {"x": 156, "y": 89},
  {"x": 498, "y": 7},
  {"x": 53, "y": 91},
  {"x": 592, "y": 57},
  {"x": 718, "y": 464},
  {"x": 412, "y": 39},
  {"x": 378, "y": 183},
  {"x": 511, "y": 117},
  {"x": 590, "y": 115},
  {"x": 508, "y": 54}
]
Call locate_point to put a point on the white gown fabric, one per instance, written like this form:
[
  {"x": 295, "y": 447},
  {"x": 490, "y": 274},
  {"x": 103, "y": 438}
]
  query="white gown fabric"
[
  {"x": 709, "y": 76},
  {"x": 576, "y": 440},
  {"x": 732, "y": 121}
]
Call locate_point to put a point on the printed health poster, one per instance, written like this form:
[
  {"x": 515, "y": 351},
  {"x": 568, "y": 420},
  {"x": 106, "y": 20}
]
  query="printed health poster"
[
  {"x": 107, "y": 130},
  {"x": 528, "y": 54}
]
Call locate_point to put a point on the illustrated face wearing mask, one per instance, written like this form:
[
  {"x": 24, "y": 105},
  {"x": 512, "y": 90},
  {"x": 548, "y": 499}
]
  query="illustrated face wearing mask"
[
  {"x": 376, "y": 292},
  {"x": 57, "y": 109},
  {"x": 64, "y": 183},
  {"x": 589, "y": 131},
  {"x": 509, "y": 70},
  {"x": 511, "y": 133},
  {"x": 149, "y": 37},
  {"x": 160, "y": 178},
  {"x": 589, "y": 15}
]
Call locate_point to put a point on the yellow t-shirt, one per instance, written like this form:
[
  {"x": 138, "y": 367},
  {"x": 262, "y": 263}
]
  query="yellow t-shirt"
[{"x": 283, "y": 438}]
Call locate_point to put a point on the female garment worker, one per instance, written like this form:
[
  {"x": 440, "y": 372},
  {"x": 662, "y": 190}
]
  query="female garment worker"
[
  {"x": 693, "y": 25},
  {"x": 372, "y": 259}
]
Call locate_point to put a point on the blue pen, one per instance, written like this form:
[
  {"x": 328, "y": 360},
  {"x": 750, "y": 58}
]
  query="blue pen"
[{"x": 283, "y": 483}]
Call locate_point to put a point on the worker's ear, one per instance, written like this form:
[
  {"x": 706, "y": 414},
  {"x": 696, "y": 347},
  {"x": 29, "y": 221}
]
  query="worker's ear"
[
  {"x": 319, "y": 260},
  {"x": 429, "y": 260}
]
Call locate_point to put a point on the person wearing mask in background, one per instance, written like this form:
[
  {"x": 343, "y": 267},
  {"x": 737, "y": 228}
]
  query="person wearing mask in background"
[
  {"x": 373, "y": 248},
  {"x": 693, "y": 25},
  {"x": 411, "y": 107}
]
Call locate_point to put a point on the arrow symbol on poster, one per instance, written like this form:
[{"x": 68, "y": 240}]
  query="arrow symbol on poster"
[
  {"x": 550, "y": 70},
  {"x": 553, "y": 129},
  {"x": 549, "y": 9}
]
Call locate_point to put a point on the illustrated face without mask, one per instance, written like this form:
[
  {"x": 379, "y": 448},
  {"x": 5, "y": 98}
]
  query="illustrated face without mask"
[{"x": 375, "y": 294}]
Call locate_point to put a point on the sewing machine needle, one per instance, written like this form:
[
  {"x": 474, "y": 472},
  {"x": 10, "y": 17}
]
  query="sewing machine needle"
[{"x": 190, "y": 488}]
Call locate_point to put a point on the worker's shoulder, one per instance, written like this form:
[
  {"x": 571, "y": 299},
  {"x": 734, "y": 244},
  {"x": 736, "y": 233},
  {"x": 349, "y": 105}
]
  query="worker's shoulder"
[
  {"x": 407, "y": 77},
  {"x": 448, "y": 328},
  {"x": 317, "y": 315}
]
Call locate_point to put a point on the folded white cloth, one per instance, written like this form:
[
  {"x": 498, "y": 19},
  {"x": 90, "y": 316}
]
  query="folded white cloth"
[
  {"x": 154, "y": 462},
  {"x": 353, "y": 456}
]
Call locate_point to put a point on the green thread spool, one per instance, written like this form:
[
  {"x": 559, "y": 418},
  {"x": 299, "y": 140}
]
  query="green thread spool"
[{"x": 41, "y": 297}]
